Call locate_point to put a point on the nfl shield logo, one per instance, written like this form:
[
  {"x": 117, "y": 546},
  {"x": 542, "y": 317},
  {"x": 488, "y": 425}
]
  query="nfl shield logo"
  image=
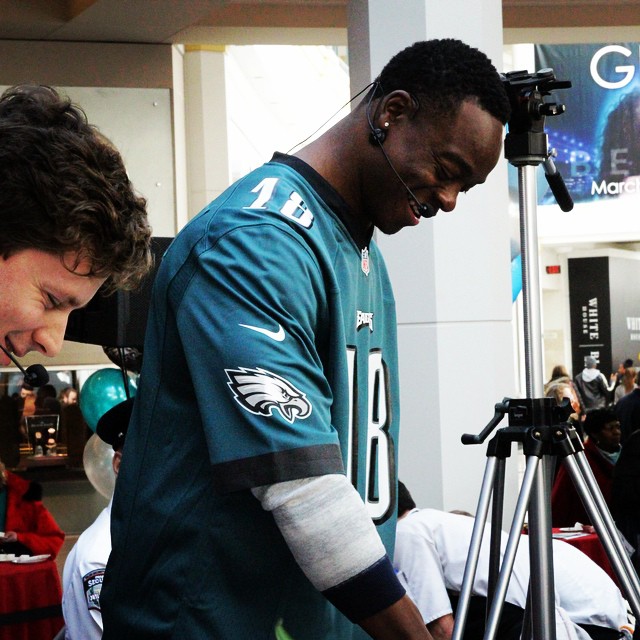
[{"x": 364, "y": 263}]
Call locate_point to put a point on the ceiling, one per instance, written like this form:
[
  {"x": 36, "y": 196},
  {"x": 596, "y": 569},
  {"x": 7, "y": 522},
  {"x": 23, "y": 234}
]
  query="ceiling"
[{"x": 196, "y": 21}]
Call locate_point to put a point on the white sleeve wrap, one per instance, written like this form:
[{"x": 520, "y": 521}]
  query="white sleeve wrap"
[{"x": 326, "y": 526}]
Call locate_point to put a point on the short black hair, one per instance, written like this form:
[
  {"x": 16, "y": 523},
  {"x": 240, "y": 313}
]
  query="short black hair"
[
  {"x": 441, "y": 74},
  {"x": 597, "y": 419},
  {"x": 405, "y": 501},
  {"x": 627, "y": 363}
]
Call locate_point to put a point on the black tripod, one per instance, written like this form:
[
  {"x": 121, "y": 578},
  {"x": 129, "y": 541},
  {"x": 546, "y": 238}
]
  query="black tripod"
[{"x": 537, "y": 423}]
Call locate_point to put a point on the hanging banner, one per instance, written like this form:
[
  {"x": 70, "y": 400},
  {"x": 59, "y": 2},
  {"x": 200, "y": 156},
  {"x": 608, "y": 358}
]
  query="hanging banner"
[
  {"x": 604, "y": 311},
  {"x": 596, "y": 139}
]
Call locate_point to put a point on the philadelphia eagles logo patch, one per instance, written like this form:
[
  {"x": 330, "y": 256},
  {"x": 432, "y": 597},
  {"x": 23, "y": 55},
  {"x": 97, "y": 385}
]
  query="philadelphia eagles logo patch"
[{"x": 261, "y": 392}]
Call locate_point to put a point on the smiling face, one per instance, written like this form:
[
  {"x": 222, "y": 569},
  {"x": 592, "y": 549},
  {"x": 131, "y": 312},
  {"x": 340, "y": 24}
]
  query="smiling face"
[
  {"x": 437, "y": 158},
  {"x": 37, "y": 294}
]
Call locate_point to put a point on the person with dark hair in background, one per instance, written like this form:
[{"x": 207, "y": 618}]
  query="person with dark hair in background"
[
  {"x": 257, "y": 492},
  {"x": 70, "y": 221},
  {"x": 47, "y": 400},
  {"x": 558, "y": 372},
  {"x": 84, "y": 566},
  {"x": 26, "y": 525},
  {"x": 622, "y": 367},
  {"x": 431, "y": 553},
  {"x": 601, "y": 448}
]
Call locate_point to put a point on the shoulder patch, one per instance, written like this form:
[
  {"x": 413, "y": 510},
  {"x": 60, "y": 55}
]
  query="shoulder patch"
[
  {"x": 261, "y": 392},
  {"x": 92, "y": 585}
]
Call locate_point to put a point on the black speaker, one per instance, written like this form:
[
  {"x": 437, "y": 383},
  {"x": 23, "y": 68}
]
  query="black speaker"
[{"x": 119, "y": 319}]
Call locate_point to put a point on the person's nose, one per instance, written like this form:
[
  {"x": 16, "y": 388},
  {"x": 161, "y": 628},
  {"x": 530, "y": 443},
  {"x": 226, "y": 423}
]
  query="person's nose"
[
  {"x": 48, "y": 339},
  {"x": 447, "y": 198}
]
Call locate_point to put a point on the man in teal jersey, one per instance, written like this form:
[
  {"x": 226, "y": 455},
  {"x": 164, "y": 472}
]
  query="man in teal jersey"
[{"x": 257, "y": 496}]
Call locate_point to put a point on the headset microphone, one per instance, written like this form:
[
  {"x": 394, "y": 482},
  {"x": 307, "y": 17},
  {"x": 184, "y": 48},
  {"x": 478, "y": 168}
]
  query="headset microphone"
[
  {"x": 424, "y": 209},
  {"x": 35, "y": 375},
  {"x": 378, "y": 136}
]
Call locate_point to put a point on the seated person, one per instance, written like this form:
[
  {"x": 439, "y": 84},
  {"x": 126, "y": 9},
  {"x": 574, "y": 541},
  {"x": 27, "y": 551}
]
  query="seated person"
[
  {"x": 27, "y": 526},
  {"x": 430, "y": 556},
  {"x": 601, "y": 448},
  {"x": 85, "y": 564}
]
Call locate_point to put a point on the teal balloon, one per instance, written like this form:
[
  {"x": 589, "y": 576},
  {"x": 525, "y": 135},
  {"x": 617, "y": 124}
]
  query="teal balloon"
[{"x": 102, "y": 390}]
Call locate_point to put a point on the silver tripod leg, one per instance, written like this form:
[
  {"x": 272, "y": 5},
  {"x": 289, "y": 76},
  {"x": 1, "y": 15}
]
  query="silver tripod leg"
[
  {"x": 474, "y": 548},
  {"x": 589, "y": 491},
  {"x": 541, "y": 577},
  {"x": 530, "y": 474}
]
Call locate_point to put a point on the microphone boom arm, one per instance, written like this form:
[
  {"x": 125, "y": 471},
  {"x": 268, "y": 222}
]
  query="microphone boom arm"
[{"x": 35, "y": 375}]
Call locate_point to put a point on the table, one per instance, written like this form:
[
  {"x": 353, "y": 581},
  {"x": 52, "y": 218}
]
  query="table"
[
  {"x": 591, "y": 545},
  {"x": 30, "y": 601}
]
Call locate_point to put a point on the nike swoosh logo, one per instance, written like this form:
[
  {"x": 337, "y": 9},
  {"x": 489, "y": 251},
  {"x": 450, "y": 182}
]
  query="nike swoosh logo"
[{"x": 278, "y": 335}]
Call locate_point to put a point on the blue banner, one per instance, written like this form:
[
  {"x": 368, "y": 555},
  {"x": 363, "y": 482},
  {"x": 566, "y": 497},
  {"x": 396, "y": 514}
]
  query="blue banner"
[{"x": 597, "y": 139}]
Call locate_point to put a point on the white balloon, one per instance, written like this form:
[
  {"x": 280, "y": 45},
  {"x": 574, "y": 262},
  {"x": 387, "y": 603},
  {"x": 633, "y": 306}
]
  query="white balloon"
[{"x": 97, "y": 458}]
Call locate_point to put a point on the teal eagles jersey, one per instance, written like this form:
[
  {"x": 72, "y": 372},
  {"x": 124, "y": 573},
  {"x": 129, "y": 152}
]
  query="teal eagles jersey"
[{"x": 270, "y": 356}]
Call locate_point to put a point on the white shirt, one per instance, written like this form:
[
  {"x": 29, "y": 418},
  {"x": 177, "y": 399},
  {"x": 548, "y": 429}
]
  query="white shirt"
[
  {"x": 431, "y": 553},
  {"x": 82, "y": 580}
]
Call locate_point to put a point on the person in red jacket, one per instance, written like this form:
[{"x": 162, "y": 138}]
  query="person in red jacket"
[
  {"x": 26, "y": 526},
  {"x": 601, "y": 448}
]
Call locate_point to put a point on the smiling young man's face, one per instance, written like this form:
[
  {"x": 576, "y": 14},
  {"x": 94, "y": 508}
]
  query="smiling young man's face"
[
  {"x": 437, "y": 158},
  {"x": 37, "y": 294}
]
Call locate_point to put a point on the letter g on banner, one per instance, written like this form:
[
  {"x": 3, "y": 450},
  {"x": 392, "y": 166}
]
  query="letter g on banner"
[{"x": 628, "y": 70}]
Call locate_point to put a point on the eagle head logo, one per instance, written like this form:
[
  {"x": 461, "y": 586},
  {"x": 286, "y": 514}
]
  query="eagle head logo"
[{"x": 262, "y": 392}]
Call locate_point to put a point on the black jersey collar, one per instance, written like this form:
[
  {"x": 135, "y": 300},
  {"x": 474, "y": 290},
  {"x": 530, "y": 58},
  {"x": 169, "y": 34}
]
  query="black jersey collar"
[{"x": 361, "y": 235}]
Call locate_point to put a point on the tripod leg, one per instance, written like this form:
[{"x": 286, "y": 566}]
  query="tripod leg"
[
  {"x": 541, "y": 582},
  {"x": 474, "y": 548},
  {"x": 495, "y": 547},
  {"x": 511, "y": 549},
  {"x": 589, "y": 491}
]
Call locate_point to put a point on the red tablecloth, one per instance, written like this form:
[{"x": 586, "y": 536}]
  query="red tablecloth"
[
  {"x": 591, "y": 545},
  {"x": 30, "y": 601}
]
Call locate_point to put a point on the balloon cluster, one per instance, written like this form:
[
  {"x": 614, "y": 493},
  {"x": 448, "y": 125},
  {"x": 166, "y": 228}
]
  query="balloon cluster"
[{"x": 103, "y": 390}]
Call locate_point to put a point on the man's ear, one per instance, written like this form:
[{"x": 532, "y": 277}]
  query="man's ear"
[{"x": 397, "y": 104}]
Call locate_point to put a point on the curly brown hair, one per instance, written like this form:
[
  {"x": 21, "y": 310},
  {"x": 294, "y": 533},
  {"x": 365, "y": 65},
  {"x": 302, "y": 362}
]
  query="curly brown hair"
[{"x": 64, "y": 188}]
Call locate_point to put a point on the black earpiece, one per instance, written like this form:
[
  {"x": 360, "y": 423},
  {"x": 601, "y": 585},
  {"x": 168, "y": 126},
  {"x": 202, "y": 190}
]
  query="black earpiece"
[{"x": 377, "y": 136}]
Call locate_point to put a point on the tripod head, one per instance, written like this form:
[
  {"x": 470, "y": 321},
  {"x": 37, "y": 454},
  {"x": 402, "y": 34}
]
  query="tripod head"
[
  {"x": 526, "y": 141},
  {"x": 524, "y": 413}
]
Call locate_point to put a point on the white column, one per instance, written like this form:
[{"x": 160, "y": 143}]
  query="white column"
[
  {"x": 206, "y": 125},
  {"x": 451, "y": 277}
]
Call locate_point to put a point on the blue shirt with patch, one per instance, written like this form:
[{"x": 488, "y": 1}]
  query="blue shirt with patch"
[{"x": 270, "y": 355}]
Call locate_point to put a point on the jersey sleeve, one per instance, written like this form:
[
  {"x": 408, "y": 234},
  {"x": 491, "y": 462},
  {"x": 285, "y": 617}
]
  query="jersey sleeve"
[{"x": 250, "y": 335}]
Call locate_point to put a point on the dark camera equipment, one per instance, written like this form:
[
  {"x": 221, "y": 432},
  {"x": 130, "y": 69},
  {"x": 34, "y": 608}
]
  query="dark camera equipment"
[
  {"x": 526, "y": 141},
  {"x": 537, "y": 423}
]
